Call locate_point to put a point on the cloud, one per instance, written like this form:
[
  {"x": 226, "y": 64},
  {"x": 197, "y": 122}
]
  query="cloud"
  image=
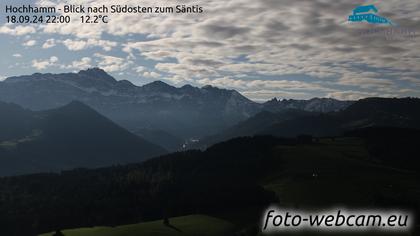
[
  {"x": 411, "y": 80},
  {"x": 151, "y": 74},
  {"x": 220, "y": 30},
  {"x": 112, "y": 63},
  {"x": 355, "y": 95},
  {"x": 147, "y": 73},
  {"x": 17, "y": 31},
  {"x": 82, "y": 64},
  {"x": 44, "y": 64},
  {"x": 140, "y": 69},
  {"x": 49, "y": 44},
  {"x": 263, "y": 42},
  {"x": 273, "y": 85},
  {"x": 78, "y": 45},
  {"x": 186, "y": 70},
  {"x": 29, "y": 43},
  {"x": 262, "y": 95}
]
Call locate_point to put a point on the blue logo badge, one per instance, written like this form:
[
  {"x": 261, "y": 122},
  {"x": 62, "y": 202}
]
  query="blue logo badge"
[{"x": 367, "y": 13}]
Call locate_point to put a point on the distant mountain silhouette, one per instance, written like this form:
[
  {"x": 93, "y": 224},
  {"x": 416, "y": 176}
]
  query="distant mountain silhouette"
[
  {"x": 15, "y": 122},
  {"x": 396, "y": 112},
  {"x": 183, "y": 112},
  {"x": 254, "y": 125},
  {"x": 313, "y": 105},
  {"x": 67, "y": 137},
  {"x": 186, "y": 112},
  {"x": 370, "y": 112},
  {"x": 161, "y": 137}
]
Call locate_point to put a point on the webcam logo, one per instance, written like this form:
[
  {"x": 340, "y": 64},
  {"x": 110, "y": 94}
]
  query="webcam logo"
[{"x": 368, "y": 14}]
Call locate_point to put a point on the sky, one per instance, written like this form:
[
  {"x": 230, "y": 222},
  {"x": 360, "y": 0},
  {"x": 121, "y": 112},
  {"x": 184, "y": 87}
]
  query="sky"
[{"x": 267, "y": 48}]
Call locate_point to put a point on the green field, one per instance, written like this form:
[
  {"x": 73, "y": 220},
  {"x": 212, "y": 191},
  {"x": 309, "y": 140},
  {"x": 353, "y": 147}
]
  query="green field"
[
  {"x": 193, "y": 225},
  {"x": 337, "y": 172},
  {"x": 12, "y": 144}
]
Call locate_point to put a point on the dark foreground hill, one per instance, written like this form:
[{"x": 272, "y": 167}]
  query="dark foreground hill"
[
  {"x": 397, "y": 147},
  {"x": 64, "y": 138},
  {"x": 214, "y": 182},
  {"x": 233, "y": 180}
]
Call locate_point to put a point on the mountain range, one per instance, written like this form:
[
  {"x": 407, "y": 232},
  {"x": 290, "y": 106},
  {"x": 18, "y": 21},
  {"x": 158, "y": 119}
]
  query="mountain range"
[
  {"x": 313, "y": 105},
  {"x": 75, "y": 135},
  {"x": 112, "y": 143},
  {"x": 171, "y": 113},
  {"x": 184, "y": 112},
  {"x": 176, "y": 118},
  {"x": 68, "y": 137},
  {"x": 369, "y": 112}
]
